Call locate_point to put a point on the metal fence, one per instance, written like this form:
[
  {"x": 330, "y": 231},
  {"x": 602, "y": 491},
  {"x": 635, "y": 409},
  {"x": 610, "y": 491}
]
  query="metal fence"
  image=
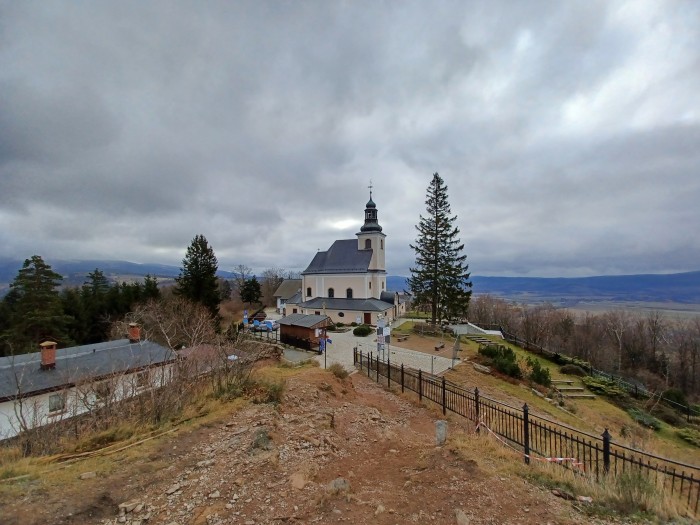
[{"x": 538, "y": 438}]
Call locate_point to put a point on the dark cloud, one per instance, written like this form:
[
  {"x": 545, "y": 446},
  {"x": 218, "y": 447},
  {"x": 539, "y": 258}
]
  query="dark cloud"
[{"x": 568, "y": 135}]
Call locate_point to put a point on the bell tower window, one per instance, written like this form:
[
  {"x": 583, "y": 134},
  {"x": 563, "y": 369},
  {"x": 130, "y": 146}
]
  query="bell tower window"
[
  {"x": 331, "y": 292},
  {"x": 368, "y": 244},
  {"x": 348, "y": 293}
]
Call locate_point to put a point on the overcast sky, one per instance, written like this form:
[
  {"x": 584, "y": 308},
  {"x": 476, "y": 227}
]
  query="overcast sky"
[{"x": 568, "y": 133}]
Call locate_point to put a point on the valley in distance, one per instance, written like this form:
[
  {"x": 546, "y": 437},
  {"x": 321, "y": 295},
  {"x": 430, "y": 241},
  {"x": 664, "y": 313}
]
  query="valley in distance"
[{"x": 674, "y": 295}]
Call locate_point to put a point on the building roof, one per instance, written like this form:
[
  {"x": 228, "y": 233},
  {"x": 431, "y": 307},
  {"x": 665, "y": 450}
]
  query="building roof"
[
  {"x": 350, "y": 305},
  {"x": 306, "y": 321},
  {"x": 77, "y": 364},
  {"x": 342, "y": 257},
  {"x": 288, "y": 288}
]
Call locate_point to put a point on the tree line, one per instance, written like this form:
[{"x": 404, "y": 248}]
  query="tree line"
[
  {"x": 660, "y": 352},
  {"x": 38, "y": 308}
]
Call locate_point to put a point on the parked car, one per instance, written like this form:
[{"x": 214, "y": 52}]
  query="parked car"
[
  {"x": 260, "y": 316},
  {"x": 269, "y": 326}
]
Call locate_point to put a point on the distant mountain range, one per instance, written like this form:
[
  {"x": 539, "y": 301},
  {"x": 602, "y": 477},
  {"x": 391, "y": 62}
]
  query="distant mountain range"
[{"x": 648, "y": 288}]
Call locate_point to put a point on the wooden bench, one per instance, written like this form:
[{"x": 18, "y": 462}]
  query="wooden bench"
[
  {"x": 401, "y": 338},
  {"x": 439, "y": 347}
]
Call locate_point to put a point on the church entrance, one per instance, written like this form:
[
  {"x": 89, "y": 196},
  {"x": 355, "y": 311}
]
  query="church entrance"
[{"x": 368, "y": 318}]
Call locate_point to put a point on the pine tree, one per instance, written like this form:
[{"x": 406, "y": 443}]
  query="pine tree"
[
  {"x": 251, "y": 291},
  {"x": 37, "y": 313},
  {"x": 440, "y": 278},
  {"x": 197, "y": 281},
  {"x": 150, "y": 287}
]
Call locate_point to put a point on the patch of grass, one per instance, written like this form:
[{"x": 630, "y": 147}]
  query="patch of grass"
[
  {"x": 106, "y": 437},
  {"x": 690, "y": 435},
  {"x": 338, "y": 371}
]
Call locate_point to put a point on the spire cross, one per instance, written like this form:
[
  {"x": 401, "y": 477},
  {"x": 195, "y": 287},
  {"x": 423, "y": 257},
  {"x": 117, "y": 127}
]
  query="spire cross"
[{"x": 370, "y": 188}]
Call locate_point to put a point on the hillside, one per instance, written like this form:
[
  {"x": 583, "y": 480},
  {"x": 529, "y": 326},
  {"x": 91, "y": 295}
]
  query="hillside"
[{"x": 332, "y": 451}]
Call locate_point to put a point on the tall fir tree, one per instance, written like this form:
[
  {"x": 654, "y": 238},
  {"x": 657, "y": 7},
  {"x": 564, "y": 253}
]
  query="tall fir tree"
[
  {"x": 37, "y": 312},
  {"x": 440, "y": 277},
  {"x": 197, "y": 281}
]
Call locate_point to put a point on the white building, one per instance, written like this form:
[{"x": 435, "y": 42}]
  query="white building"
[{"x": 55, "y": 384}]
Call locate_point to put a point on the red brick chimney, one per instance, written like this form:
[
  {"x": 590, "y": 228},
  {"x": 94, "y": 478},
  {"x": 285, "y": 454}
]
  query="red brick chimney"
[
  {"x": 48, "y": 355},
  {"x": 134, "y": 333}
]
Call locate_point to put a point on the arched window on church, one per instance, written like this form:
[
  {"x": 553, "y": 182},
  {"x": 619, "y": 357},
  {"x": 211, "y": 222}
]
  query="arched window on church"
[
  {"x": 331, "y": 292},
  {"x": 308, "y": 292},
  {"x": 348, "y": 293},
  {"x": 368, "y": 244},
  {"x": 381, "y": 242}
]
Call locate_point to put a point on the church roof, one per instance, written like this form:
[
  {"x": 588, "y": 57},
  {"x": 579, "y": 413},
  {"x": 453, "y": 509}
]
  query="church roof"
[
  {"x": 342, "y": 257},
  {"x": 339, "y": 303}
]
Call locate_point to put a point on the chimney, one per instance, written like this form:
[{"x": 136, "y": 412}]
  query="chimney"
[
  {"x": 48, "y": 355},
  {"x": 134, "y": 333}
]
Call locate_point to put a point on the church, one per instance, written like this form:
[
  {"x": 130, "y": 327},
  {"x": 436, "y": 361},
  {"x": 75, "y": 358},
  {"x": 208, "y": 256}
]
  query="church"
[{"x": 348, "y": 281}]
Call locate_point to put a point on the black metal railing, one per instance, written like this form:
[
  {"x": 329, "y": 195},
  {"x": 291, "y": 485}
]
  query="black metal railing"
[{"x": 538, "y": 438}]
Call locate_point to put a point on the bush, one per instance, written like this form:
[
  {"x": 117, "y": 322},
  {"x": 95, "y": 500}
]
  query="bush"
[
  {"x": 339, "y": 325},
  {"x": 538, "y": 373},
  {"x": 667, "y": 415},
  {"x": 338, "y": 371},
  {"x": 690, "y": 435},
  {"x": 362, "y": 330},
  {"x": 644, "y": 419},
  {"x": 353, "y": 323},
  {"x": 676, "y": 397},
  {"x": 573, "y": 370},
  {"x": 502, "y": 359}
]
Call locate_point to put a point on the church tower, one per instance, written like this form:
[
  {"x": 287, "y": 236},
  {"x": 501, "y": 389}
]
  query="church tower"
[{"x": 370, "y": 237}]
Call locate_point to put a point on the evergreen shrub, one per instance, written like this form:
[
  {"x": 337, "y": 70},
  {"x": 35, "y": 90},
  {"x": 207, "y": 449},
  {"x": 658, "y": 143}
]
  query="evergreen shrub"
[
  {"x": 644, "y": 419},
  {"x": 538, "y": 373},
  {"x": 362, "y": 330},
  {"x": 502, "y": 359}
]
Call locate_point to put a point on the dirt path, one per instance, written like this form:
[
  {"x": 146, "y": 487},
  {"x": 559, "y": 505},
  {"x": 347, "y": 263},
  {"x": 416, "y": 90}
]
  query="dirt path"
[{"x": 332, "y": 452}]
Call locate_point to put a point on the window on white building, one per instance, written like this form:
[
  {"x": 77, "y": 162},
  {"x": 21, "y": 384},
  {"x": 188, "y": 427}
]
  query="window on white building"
[
  {"x": 331, "y": 292},
  {"x": 57, "y": 402}
]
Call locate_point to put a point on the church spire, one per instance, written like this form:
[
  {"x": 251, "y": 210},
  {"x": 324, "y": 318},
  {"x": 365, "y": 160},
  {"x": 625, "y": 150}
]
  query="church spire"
[{"x": 371, "y": 224}]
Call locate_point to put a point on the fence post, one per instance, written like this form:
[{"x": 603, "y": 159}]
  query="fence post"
[
  {"x": 606, "y": 451},
  {"x": 526, "y": 433},
  {"x": 354, "y": 355},
  {"x": 402, "y": 378},
  {"x": 444, "y": 397},
  {"x": 420, "y": 385},
  {"x": 476, "y": 407},
  {"x": 388, "y": 370},
  {"x": 376, "y": 362},
  {"x": 369, "y": 364}
]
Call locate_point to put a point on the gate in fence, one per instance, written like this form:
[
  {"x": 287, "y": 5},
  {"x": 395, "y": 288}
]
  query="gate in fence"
[{"x": 538, "y": 438}]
